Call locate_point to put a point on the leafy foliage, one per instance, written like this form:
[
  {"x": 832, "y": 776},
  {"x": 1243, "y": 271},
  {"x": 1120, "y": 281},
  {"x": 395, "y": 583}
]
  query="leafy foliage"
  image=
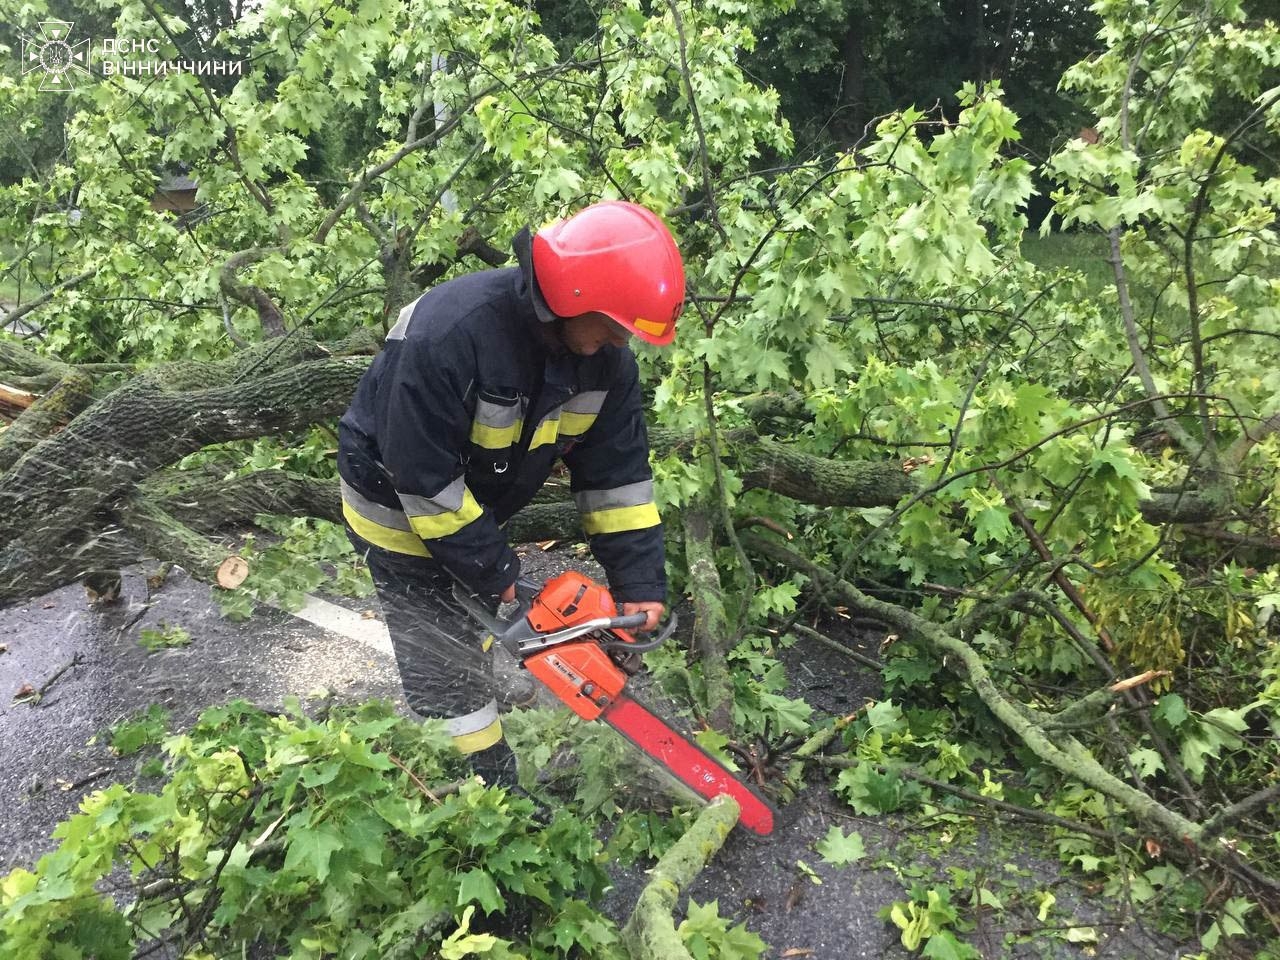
[
  {"x": 1095, "y": 467},
  {"x": 270, "y": 817}
]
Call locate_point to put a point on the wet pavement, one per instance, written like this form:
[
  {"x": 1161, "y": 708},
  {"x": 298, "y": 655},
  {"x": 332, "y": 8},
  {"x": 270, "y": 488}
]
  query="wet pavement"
[{"x": 55, "y": 751}]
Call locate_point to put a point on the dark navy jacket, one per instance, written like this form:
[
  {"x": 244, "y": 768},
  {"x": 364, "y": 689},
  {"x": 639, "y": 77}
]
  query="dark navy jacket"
[{"x": 461, "y": 418}]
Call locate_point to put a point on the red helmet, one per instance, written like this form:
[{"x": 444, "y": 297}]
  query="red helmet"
[{"x": 614, "y": 258}]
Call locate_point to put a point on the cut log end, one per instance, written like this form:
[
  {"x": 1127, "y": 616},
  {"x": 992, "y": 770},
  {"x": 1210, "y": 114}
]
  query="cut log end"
[{"x": 232, "y": 572}]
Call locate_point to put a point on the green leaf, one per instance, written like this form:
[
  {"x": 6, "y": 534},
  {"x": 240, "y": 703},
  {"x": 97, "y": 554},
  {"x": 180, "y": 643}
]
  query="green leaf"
[
  {"x": 477, "y": 886},
  {"x": 943, "y": 945},
  {"x": 1172, "y": 709},
  {"x": 310, "y": 849},
  {"x": 1146, "y": 761},
  {"x": 840, "y": 849}
]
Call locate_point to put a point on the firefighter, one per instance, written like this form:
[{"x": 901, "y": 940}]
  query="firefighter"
[{"x": 484, "y": 383}]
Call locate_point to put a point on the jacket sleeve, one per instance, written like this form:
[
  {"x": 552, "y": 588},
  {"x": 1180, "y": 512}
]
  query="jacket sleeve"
[
  {"x": 422, "y": 434},
  {"x": 613, "y": 488}
]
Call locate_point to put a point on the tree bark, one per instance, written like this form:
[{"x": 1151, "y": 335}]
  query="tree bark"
[
  {"x": 711, "y": 628},
  {"x": 59, "y": 502},
  {"x": 650, "y": 932},
  {"x": 71, "y": 395},
  {"x": 762, "y": 463}
]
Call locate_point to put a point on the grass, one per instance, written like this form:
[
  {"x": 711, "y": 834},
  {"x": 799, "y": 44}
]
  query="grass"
[{"x": 1085, "y": 252}]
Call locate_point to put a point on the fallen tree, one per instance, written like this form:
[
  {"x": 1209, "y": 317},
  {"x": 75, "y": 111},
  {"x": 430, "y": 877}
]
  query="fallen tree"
[{"x": 89, "y": 484}]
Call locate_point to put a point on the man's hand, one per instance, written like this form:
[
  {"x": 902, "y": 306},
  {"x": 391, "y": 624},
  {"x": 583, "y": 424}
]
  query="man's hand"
[
  {"x": 651, "y": 608},
  {"x": 508, "y": 595}
]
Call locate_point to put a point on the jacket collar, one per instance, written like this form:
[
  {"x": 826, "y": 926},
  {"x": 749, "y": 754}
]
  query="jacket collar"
[
  {"x": 522, "y": 244},
  {"x": 560, "y": 372}
]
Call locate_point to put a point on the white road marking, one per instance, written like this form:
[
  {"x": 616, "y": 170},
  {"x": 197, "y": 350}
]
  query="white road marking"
[{"x": 348, "y": 623}]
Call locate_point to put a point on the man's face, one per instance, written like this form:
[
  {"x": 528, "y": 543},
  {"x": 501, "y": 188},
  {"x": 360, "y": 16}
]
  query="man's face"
[{"x": 586, "y": 334}]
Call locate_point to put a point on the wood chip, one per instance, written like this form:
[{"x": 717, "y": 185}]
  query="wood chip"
[
  {"x": 232, "y": 572},
  {"x": 1139, "y": 680},
  {"x": 797, "y": 952}
]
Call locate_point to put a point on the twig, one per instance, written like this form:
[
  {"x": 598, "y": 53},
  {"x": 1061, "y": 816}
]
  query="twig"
[
  {"x": 765, "y": 522},
  {"x": 1024, "y": 812},
  {"x": 1058, "y": 576},
  {"x": 836, "y": 645},
  {"x": 1238, "y": 811},
  {"x": 426, "y": 791},
  {"x": 36, "y": 695},
  {"x": 87, "y": 779}
]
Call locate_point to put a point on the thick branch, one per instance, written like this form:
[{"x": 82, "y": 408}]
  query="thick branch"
[
  {"x": 711, "y": 628},
  {"x": 766, "y": 464},
  {"x": 205, "y": 501},
  {"x": 1063, "y": 753},
  {"x": 1134, "y": 339},
  {"x": 161, "y": 535},
  {"x": 72, "y": 394},
  {"x": 650, "y": 932},
  {"x": 1248, "y": 439},
  {"x": 23, "y": 309},
  {"x": 269, "y": 314},
  {"x": 65, "y": 487}
]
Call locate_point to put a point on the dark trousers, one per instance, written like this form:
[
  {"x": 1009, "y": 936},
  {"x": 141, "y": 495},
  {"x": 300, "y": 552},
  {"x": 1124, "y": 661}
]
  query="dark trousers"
[{"x": 442, "y": 654}]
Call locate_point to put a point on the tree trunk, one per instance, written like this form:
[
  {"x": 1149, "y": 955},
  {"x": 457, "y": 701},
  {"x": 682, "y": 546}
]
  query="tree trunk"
[
  {"x": 711, "y": 629},
  {"x": 853, "y": 87}
]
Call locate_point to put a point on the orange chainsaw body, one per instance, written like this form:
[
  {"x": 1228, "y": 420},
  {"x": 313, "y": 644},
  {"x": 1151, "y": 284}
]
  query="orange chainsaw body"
[
  {"x": 581, "y": 673},
  {"x": 587, "y": 671}
]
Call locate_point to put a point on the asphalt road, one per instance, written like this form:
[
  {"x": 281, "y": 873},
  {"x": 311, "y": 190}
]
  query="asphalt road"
[{"x": 94, "y": 673}]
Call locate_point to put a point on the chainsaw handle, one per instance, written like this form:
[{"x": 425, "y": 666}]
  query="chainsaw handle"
[
  {"x": 641, "y": 646},
  {"x": 628, "y": 621}
]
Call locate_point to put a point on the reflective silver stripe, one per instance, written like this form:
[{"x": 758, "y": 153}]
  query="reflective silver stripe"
[
  {"x": 473, "y": 722},
  {"x": 402, "y": 322},
  {"x": 378, "y": 513},
  {"x": 589, "y": 401},
  {"x": 630, "y": 495},
  {"x": 579, "y": 413},
  {"x": 448, "y": 500},
  {"x": 497, "y": 414}
]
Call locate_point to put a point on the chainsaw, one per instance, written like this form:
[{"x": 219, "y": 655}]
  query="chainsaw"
[{"x": 569, "y": 635}]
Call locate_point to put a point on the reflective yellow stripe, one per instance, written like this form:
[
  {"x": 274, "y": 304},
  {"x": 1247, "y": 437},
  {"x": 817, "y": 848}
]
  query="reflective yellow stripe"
[
  {"x": 620, "y": 519},
  {"x": 495, "y": 438},
  {"x": 437, "y": 525},
  {"x": 575, "y": 424},
  {"x": 388, "y": 538},
  {"x": 652, "y": 327},
  {"x": 547, "y": 431},
  {"x": 480, "y": 740},
  {"x": 497, "y": 425}
]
